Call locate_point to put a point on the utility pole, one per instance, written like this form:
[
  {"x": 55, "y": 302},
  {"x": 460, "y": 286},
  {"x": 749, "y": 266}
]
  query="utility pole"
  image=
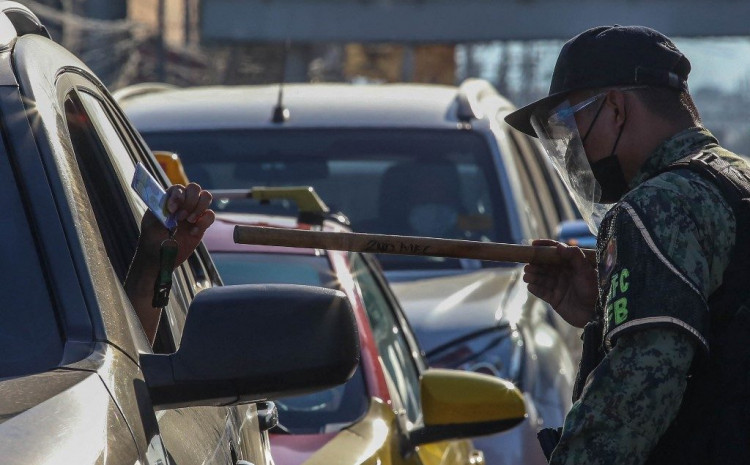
[
  {"x": 187, "y": 25},
  {"x": 161, "y": 52}
]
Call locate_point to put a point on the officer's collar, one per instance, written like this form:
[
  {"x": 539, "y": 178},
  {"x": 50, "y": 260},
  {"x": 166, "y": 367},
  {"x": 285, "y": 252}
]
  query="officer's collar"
[{"x": 676, "y": 147}]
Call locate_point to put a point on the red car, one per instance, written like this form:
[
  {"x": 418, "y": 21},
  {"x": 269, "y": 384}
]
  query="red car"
[{"x": 381, "y": 412}]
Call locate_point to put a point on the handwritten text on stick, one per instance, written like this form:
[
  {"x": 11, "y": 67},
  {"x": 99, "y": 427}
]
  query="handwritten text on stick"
[{"x": 375, "y": 246}]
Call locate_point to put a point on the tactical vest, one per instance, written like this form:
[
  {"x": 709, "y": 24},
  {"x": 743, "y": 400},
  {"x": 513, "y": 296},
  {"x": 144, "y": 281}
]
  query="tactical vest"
[{"x": 713, "y": 423}]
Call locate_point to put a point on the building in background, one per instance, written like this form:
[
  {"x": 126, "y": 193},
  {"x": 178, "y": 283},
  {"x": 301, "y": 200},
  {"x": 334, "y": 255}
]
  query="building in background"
[{"x": 131, "y": 41}]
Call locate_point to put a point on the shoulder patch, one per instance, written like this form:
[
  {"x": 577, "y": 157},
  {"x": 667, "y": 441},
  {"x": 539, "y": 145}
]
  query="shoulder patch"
[{"x": 608, "y": 260}]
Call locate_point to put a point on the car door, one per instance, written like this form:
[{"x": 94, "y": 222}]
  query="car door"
[
  {"x": 402, "y": 361},
  {"x": 54, "y": 410},
  {"x": 218, "y": 435},
  {"x": 86, "y": 142}
]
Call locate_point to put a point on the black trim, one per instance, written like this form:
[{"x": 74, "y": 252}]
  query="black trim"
[
  {"x": 436, "y": 433},
  {"x": 502, "y": 325}
]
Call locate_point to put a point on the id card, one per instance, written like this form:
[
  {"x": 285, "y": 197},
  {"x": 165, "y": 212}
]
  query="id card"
[{"x": 153, "y": 195}]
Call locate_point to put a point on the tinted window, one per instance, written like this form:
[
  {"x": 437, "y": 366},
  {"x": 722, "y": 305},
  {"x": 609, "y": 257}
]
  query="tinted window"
[
  {"x": 394, "y": 349},
  {"x": 107, "y": 168},
  {"x": 105, "y": 183},
  {"x": 413, "y": 182},
  {"x": 257, "y": 268},
  {"x": 325, "y": 411},
  {"x": 30, "y": 336}
]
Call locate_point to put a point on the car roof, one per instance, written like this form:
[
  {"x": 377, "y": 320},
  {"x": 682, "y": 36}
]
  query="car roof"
[{"x": 309, "y": 105}]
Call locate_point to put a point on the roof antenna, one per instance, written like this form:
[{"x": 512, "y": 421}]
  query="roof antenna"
[{"x": 280, "y": 112}]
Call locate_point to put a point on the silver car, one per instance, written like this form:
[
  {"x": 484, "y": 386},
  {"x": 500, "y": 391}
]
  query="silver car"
[
  {"x": 406, "y": 159},
  {"x": 80, "y": 382}
]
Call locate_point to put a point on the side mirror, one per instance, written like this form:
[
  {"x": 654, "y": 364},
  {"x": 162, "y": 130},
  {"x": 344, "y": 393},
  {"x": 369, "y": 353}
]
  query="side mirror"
[
  {"x": 254, "y": 342},
  {"x": 576, "y": 232},
  {"x": 460, "y": 404}
]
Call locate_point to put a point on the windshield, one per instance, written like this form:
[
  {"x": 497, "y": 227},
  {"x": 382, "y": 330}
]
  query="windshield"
[
  {"x": 436, "y": 183},
  {"x": 320, "y": 412}
]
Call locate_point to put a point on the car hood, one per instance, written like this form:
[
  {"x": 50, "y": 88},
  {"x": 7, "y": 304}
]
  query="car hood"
[{"x": 444, "y": 308}]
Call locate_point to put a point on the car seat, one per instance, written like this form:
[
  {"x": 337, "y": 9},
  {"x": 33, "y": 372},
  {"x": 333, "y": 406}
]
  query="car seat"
[{"x": 406, "y": 185}]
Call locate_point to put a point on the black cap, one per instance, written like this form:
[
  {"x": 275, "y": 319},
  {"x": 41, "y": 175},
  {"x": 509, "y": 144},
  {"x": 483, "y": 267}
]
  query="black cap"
[{"x": 608, "y": 56}]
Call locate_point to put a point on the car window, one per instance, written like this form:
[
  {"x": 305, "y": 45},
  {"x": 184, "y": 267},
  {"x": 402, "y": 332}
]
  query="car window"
[
  {"x": 415, "y": 182},
  {"x": 31, "y": 338},
  {"x": 118, "y": 152},
  {"x": 107, "y": 167},
  {"x": 325, "y": 411},
  {"x": 543, "y": 204},
  {"x": 105, "y": 184},
  {"x": 394, "y": 349},
  {"x": 271, "y": 268},
  {"x": 528, "y": 203}
]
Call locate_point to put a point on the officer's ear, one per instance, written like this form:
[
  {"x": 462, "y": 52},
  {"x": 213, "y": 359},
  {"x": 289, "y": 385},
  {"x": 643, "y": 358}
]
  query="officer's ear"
[{"x": 617, "y": 102}]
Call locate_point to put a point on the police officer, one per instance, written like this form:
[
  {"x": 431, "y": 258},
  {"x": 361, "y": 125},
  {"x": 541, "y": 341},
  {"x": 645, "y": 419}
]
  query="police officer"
[{"x": 651, "y": 386}]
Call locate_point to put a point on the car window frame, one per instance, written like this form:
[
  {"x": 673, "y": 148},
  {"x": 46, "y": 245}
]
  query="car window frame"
[
  {"x": 46, "y": 73},
  {"x": 186, "y": 283},
  {"x": 546, "y": 208},
  {"x": 528, "y": 202},
  {"x": 414, "y": 355},
  {"x": 70, "y": 86},
  {"x": 48, "y": 179},
  {"x": 16, "y": 146},
  {"x": 522, "y": 223}
]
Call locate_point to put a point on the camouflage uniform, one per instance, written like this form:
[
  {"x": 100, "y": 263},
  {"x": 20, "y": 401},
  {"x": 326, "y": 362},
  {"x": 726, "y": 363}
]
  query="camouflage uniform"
[{"x": 662, "y": 252}]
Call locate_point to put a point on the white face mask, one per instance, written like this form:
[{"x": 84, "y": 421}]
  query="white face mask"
[{"x": 433, "y": 219}]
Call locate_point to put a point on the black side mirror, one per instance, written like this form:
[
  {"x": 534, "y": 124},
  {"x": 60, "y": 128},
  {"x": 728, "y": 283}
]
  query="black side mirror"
[{"x": 253, "y": 342}]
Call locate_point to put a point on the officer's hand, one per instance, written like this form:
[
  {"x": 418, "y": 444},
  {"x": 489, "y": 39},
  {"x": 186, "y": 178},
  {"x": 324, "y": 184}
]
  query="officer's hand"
[
  {"x": 190, "y": 205},
  {"x": 570, "y": 288}
]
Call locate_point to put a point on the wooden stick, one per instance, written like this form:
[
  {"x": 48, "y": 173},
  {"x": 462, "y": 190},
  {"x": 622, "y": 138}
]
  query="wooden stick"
[{"x": 400, "y": 245}]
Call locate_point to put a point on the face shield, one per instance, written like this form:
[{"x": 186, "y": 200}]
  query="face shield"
[{"x": 558, "y": 133}]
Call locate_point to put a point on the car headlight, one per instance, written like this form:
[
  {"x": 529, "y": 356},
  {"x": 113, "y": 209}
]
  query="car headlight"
[{"x": 497, "y": 351}]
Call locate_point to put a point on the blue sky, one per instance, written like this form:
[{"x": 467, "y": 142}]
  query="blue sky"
[
  {"x": 716, "y": 62},
  {"x": 721, "y": 62}
]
